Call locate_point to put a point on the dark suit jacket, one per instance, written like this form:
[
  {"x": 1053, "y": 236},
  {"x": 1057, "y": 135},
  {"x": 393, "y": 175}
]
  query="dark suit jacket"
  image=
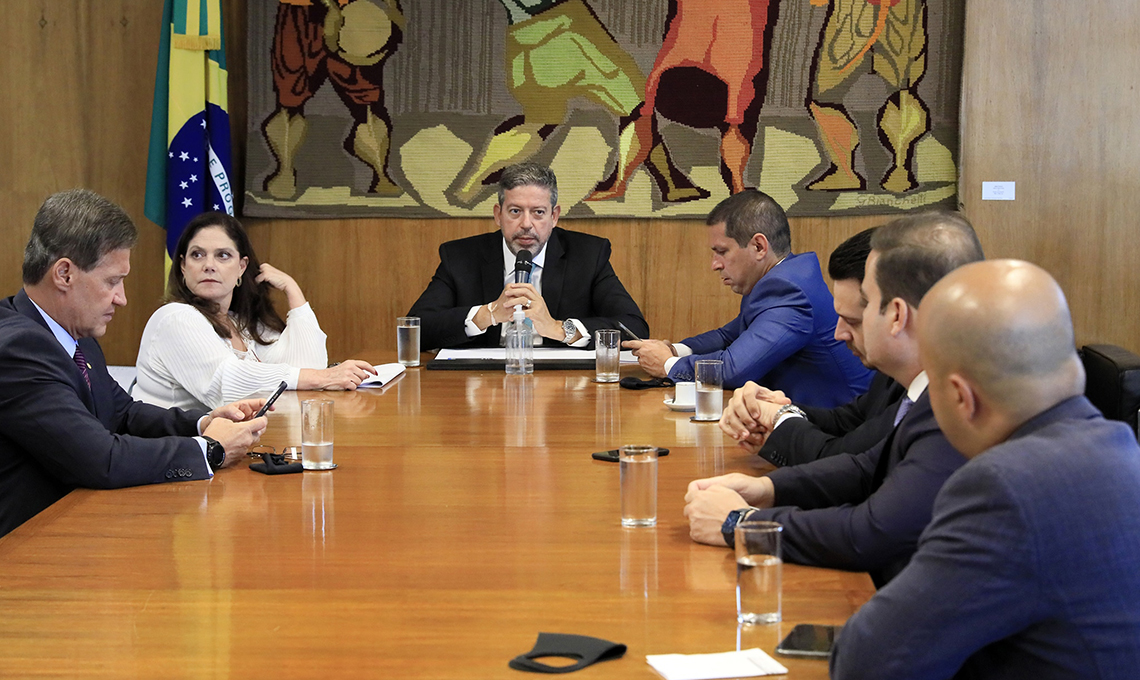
[
  {"x": 577, "y": 282},
  {"x": 865, "y": 512},
  {"x": 784, "y": 339},
  {"x": 852, "y": 428},
  {"x": 1030, "y": 567},
  {"x": 56, "y": 435}
]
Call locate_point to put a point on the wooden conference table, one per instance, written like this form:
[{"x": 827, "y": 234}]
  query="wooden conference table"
[{"x": 466, "y": 516}]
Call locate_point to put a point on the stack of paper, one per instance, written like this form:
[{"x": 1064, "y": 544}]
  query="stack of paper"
[{"x": 748, "y": 663}]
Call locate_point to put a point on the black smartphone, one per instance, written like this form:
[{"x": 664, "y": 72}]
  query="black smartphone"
[
  {"x": 631, "y": 334},
  {"x": 265, "y": 409},
  {"x": 809, "y": 640},
  {"x": 611, "y": 456}
]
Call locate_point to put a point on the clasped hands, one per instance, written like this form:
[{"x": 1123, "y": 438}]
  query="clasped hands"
[
  {"x": 534, "y": 308},
  {"x": 751, "y": 415},
  {"x": 708, "y": 502}
]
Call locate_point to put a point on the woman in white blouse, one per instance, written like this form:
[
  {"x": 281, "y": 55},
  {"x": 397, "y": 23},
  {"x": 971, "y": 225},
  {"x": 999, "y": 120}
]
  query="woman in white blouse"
[{"x": 218, "y": 338}]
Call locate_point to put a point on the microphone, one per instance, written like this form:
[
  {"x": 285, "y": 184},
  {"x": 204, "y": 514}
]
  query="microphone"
[{"x": 523, "y": 266}]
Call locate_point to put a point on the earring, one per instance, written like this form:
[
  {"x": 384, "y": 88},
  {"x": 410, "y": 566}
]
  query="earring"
[{"x": 238, "y": 283}]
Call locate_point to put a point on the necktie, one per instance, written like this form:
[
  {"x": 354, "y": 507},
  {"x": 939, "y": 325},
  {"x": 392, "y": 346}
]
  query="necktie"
[
  {"x": 904, "y": 406},
  {"x": 81, "y": 363}
]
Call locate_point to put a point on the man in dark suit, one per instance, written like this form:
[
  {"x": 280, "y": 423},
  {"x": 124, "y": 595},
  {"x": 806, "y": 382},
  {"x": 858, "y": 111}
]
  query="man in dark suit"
[
  {"x": 64, "y": 422},
  {"x": 862, "y": 511},
  {"x": 1030, "y": 567},
  {"x": 784, "y": 336},
  {"x": 766, "y": 422},
  {"x": 573, "y": 289}
]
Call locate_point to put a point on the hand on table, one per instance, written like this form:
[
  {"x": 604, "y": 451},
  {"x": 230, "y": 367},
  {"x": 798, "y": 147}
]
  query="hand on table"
[{"x": 346, "y": 375}]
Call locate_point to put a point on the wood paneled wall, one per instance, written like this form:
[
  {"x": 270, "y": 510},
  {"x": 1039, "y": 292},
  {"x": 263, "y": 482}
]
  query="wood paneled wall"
[{"x": 1050, "y": 99}]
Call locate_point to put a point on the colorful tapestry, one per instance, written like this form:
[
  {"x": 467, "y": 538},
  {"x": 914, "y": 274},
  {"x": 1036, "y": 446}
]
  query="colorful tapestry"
[{"x": 643, "y": 108}]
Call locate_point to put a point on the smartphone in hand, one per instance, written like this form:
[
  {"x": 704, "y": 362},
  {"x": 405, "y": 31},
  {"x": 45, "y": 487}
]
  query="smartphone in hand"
[{"x": 265, "y": 409}]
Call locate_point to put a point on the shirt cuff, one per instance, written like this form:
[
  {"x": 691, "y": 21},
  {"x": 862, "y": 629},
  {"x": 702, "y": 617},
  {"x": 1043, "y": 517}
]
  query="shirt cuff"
[
  {"x": 205, "y": 459},
  {"x": 789, "y": 414},
  {"x": 669, "y": 363},
  {"x": 469, "y": 326},
  {"x": 292, "y": 378},
  {"x": 585, "y": 339},
  {"x": 682, "y": 349}
]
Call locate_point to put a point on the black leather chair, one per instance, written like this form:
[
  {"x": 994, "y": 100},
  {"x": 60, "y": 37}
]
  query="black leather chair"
[{"x": 1113, "y": 381}]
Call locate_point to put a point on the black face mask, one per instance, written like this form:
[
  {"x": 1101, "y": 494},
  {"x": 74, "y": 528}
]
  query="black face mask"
[{"x": 586, "y": 650}]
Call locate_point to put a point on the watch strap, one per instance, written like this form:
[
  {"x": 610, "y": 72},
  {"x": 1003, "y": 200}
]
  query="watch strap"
[
  {"x": 215, "y": 453},
  {"x": 570, "y": 329},
  {"x": 789, "y": 408},
  {"x": 728, "y": 529}
]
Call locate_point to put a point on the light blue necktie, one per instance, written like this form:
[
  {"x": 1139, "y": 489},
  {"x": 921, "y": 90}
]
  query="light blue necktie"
[{"x": 904, "y": 406}]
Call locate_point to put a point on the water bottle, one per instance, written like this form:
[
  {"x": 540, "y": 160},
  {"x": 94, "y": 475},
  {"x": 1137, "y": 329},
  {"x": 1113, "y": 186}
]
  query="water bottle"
[{"x": 520, "y": 345}]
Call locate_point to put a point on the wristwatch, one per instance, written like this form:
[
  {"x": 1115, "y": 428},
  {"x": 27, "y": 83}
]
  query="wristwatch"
[
  {"x": 728, "y": 529},
  {"x": 789, "y": 408},
  {"x": 570, "y": 329},
  {"x": 215, "y": 453}
]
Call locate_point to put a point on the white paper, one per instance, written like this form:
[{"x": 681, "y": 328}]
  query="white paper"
[
  {"x": 748, "y": 663},
  {"x": 385, "y": 373},
  {"x": 500, "y": 354}
]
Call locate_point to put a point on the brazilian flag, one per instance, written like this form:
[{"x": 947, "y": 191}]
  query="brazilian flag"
[{"x": 188, "y": 168}]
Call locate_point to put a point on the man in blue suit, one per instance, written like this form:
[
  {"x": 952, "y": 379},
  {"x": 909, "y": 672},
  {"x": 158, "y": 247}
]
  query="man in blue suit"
[
  {"x": 784, "y": 336},
  {"x": 766, "y": 422},
  {"x": 1030, "y": 567},
  {"x": 862, "y": 511},
  {"x": 64, "y": 421}
]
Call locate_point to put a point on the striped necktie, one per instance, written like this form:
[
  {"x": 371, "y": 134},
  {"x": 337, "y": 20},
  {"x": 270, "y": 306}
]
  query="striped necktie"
[
  {"x": 81, "y": 363},
  {"x": 904, "y": 406}
]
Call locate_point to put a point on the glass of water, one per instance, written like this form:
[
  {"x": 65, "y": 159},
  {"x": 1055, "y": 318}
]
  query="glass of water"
[
  {"x": 317, "y": 434},
  {"x": 638, "y": 486},
  {"x": 607, "y": 350},
  {"x": 759, "y": 572},
  {"x": 710, "y": 389},
  {"x": 408, "y": 340}
]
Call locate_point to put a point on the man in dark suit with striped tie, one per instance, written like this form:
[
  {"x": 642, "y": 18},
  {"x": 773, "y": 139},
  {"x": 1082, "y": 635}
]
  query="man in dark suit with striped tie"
[
  {"x": 862, "y": 511},
  {"x": 64, "y": 422}
]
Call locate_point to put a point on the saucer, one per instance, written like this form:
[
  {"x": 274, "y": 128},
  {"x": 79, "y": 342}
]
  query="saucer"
[{"x": 679, "y": 407}]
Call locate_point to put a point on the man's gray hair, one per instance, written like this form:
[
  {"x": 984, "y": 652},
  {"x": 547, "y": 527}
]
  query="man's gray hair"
[
  {"x": 77, "y": 224},
  {"x": 528, "y": 175}
]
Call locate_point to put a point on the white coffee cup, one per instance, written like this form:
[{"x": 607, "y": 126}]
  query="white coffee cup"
[{"x": 685, "y": 393}]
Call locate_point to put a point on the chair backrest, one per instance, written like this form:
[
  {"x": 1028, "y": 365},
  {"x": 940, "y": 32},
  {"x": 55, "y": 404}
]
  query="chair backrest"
[{"x": 1113, "y": 381}]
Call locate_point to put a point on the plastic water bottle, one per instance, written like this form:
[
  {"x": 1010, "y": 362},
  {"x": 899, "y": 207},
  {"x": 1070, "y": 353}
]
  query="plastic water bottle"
[{"x": 520, "y": 345}]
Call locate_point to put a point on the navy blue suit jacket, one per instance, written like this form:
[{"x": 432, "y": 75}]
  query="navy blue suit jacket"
[
  {"x": 851, "y": 428},
  {"x": 1029, "y": 569},
  {"x": 577, "y": 283},
  {"x": 865, "y": 512},
  {"x": 56, "y": 434},
  {"x": 784, "y": 339}
]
